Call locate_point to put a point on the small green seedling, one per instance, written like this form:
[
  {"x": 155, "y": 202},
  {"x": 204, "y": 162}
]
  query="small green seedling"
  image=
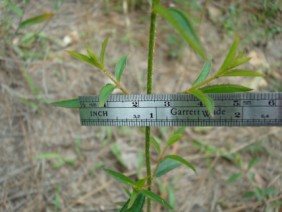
[
  {"x": 256, "y": 192},
  {"x": 59, "y": 160},
  {"x": 202, "y": 86},
  {"x": 57, "y": 199},
  {"x": 26, "y": 46}
]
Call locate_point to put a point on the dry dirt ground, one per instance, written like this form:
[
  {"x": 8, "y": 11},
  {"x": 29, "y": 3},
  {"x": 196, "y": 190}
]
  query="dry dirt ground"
[{"x": 29, "y": 127}]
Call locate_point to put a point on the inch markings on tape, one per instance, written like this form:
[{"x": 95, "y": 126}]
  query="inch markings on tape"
[{"x": 235, "y": 109}]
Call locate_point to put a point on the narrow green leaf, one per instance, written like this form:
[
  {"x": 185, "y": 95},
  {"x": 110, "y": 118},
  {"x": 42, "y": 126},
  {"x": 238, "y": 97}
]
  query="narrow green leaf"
[
  {"x": 239, "y": 60},
  {"x": 105, "y": 92},
  {"x": 120, "y": 177},
  {"x": 81, "y": 57},
  {"x": 166, "y": 166},
  {"x": 181, "y": 160},
  {"x": 37, "y": 19},
  {"x": 70, "y": 103},
  {"x": 133, "y": 197},
  {"x": 205, "y": 99},
  {"x": 230, "y": 56},
  {"x": 120, "y": 67},
  {"x": 224, "y": 88},
  {"x": 253, "y": 162},
  {"x": 137, "y": 205},
  {"x": 174, "y": 138},
  {"x": 103, "y": 50},
  {"x": 92, "y": 56},
  {"x": 204, "y": 73},
  {"x": 14, "y": 8},
  {"x": 48, "y": 156},
  {"x": 241, "y": 73},
  {"x": 233, "y": 178},
  {"x": 155, "y": 197},
  {"x": 181, "y": 24},
  {"x": 155, "y": 144}
]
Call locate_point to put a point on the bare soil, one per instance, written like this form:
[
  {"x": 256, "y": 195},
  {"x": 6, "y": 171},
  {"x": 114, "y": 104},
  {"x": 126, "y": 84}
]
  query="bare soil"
[{"x": 29, "y": 127}]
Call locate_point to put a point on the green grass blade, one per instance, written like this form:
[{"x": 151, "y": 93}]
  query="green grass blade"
[
  {"x": 120, "y": 67},
  {"x": 48, "y": 156},
  {"x": 230, "y": 56},
  {"x": 182, "y": 25},
  {"x": 36, "y": 20},
  {"x": 224, "y": 88},
  {"x": 205, "y": 99},
  {"x": 105, "y": 92},
  {"x": 70, "y": 103},
  {"x": 241, "y": 73},
  {"x": 166, "y": 166},
  {"x": 204, "y": 73},
  {"x": 181, "y": 160},
  {"x": 103, "y": 50},
  {"x": 155, "y": 197},
  {"x": 120, "y": 177}
]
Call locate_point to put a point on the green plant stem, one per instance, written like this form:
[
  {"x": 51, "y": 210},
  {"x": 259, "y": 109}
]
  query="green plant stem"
[
  {"x": 118, "y": 85},
  {"x": 149, "y": 91},
  {"x": 203, "y": 83}
]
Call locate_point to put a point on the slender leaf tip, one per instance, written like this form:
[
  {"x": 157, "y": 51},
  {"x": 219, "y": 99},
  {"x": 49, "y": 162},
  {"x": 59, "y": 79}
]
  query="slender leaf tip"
[{"x": 70, "y": 103}]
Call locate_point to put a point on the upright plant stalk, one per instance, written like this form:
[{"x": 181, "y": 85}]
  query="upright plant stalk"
[{"x": 149, "y": 91}]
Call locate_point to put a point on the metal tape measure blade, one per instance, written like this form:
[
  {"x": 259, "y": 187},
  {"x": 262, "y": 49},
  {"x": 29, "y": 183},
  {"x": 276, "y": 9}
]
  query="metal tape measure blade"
[{"x": 235, "y": 109}]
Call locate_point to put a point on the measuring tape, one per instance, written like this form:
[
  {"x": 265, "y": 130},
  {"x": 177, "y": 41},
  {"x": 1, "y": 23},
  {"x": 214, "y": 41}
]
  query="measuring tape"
[{"x": 235, "y": 109}]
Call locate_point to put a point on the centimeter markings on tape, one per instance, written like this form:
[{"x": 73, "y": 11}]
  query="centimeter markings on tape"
[{"x": 235, "y": 109}]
